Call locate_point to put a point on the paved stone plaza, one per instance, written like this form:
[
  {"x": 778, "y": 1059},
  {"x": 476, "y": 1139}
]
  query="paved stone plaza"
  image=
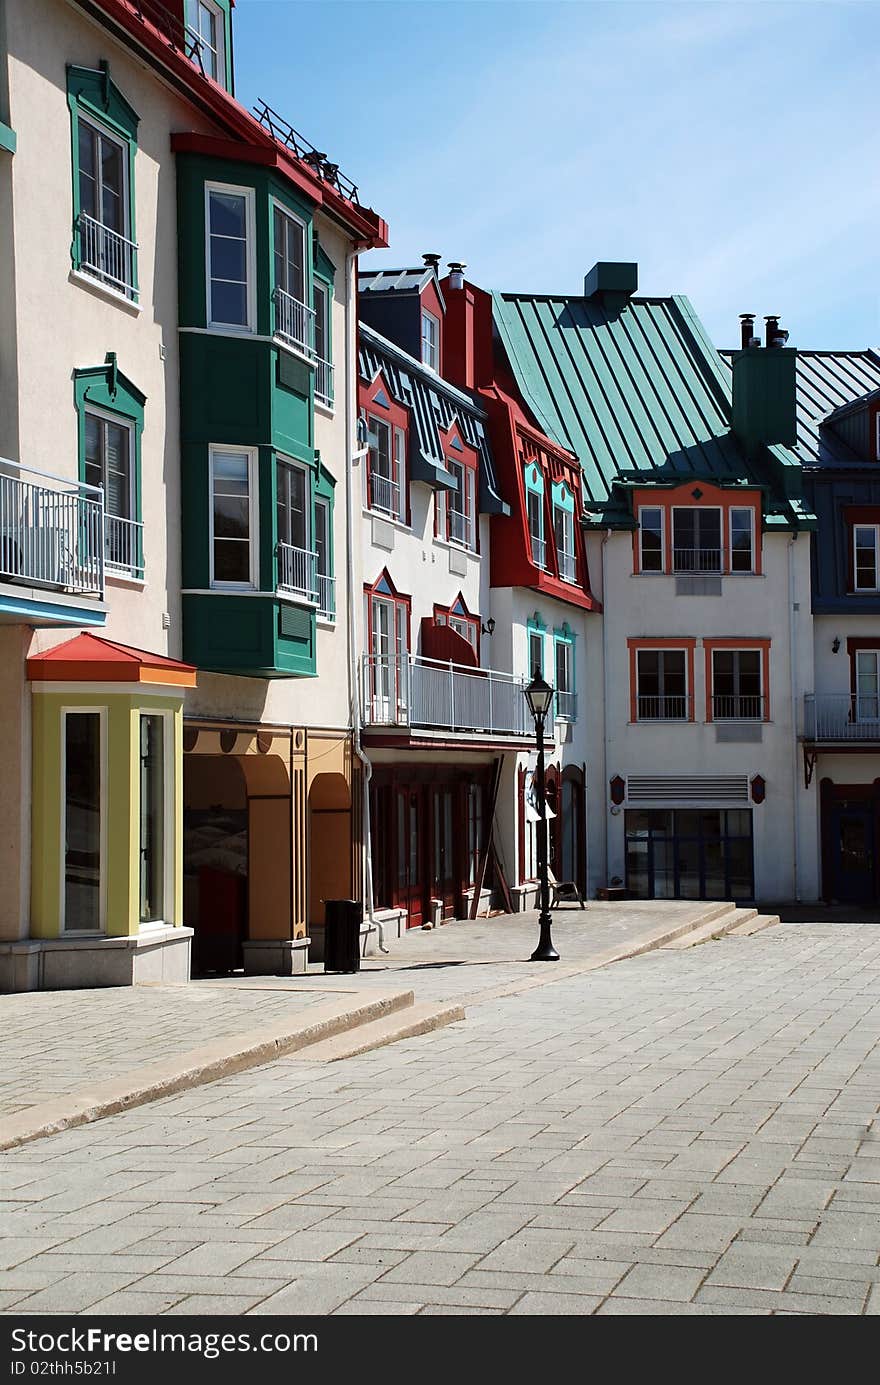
[{"x": 686, "y": 1132}]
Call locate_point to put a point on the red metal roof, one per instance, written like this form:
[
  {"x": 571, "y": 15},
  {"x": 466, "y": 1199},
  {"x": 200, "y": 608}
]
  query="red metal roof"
[{"x": 91, "y": 659}]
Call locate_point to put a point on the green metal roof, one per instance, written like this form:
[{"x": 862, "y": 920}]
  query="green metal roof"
[
  {"x": 827, "y": 381},
  {"x": 638, "y": 394}
]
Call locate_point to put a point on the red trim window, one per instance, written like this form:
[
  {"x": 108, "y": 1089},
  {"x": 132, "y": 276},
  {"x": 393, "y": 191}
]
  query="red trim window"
[
  {"x": 699, "y": 530},
  {"x": 387, "y": 683},
  {"x": 459, "y": 619},
  {"x": 455, "y": 511},
  {"x": 737, "y": 679},
  {"x": 661, "y": 674},
  {"x": 387, "y": 492}
]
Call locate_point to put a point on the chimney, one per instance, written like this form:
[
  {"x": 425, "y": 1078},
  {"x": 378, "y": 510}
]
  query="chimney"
[
  {"x": 611, "y": 285},
  {"x": 432, "y": 261},
  {"x": 456, "y": 274},
  {"x": 764, "y": 387}
]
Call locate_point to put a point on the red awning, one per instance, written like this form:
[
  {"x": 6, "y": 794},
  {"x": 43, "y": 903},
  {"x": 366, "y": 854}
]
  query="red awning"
[{"x": 90, "y": 659}]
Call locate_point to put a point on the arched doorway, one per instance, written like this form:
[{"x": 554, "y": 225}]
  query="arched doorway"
[{"x": 330, "y": 843}]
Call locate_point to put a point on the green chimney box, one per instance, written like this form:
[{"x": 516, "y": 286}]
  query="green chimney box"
[{"x": 764, "y": 396}]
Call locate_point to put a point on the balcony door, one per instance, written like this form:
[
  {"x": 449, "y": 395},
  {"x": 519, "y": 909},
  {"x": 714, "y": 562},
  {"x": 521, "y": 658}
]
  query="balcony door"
[
  {"x": 108, "y": 463},
  {"x": 388, "y": 659}
]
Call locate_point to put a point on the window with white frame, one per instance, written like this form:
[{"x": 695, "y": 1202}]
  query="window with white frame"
[
  {"x": 535, "y": 651},
  {"x": 742, "y": 540},
  {"x": 661, "y": 685},
  {"x": 430, "y": 340},
  {"x": 205, "y": 26},
  {"x": 323, "y": 366},
  {"x": 326, "y": 594},
  {"x": 230, "y": 244},
  {"x": 867, "y": 696},
  {"x": 696, "y": 539},
  {"x": 455, "y": 508},
  {"x": 459, "y": 619},
  {"x": 386, "y": 472},
  {"x": 737, "y": 691},
  {"x": 296, "y": 561},
  {"x": 233, "y": 528},
  {"x": 866, "y": 558},
  {"x": 563, "y": 658},
  {"x": 652, "y": 554},
  {"x": 293, "y": 318},
  {"x": 109, "y": 462},
  {"x": 563, "y": 533},
  {"x": 535, "y": 514},
  {"x": 388, "y": 619}
]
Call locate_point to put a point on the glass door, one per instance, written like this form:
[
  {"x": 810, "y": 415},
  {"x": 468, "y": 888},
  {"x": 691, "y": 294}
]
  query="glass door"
[
  {"x": 83, "y": 823},
  {"x": 152, "y": 824}
]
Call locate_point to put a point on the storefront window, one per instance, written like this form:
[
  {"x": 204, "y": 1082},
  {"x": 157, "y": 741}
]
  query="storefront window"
[{"x": 690, "y": 853}]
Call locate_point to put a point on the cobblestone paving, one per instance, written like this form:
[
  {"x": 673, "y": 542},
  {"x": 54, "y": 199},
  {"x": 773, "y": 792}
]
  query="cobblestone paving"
[
  {"x": 56, "y": 1042},
  {"x": 687, "y": 1132}
]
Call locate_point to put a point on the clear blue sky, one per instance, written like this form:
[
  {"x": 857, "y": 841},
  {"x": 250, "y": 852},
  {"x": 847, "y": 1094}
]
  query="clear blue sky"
[{"x": 730, "y": 148}]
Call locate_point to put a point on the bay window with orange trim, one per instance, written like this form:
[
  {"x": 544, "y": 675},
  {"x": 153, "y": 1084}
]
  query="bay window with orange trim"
[
  {"x": 737, "y": 679},
  {"x": 697, "y": 530},
  {"x": 661, "y": 679}
]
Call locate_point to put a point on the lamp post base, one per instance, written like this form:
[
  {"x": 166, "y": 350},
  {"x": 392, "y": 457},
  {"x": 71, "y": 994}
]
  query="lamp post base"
[{"x": 545, "y": 951}]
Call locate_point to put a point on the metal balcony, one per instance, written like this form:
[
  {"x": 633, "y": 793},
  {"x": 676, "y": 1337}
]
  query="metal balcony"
[
  {"x": 696, "y": 560},
  {"x": 410, "y": 691},
  {"x": 737, "y": 707},
  {"x": 384, "y": 494},
  {"x": 567, "y": 564},
  {"x": 566, "y": 705},
  {"x": 460, "y": 530},
  {"x": 52, "y": 531},
  {"x": 841, "y": 717},
  {"x": 124, "y": 546},
  {"x": 107, "y": 255},
  {"x": 326, "y": 596},
  {"x": 323, "y": 382},
  {"x": 294, "y": 321},
  {"x": 539, "y": 552},
  {"x": 668, "y": 707},
  {"x": 297, "y": 572}
]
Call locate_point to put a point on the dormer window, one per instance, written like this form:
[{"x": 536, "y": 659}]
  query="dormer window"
[
  {"x": 430, "y": 340},
  {"x": 386, "y": 473},
  {"x": 455, "y": 510},
  {"x": 459, "y": 619},
  {"x": 205, "y": 29},
  {"x": 563, "y": 533},
  {"x": 696, "y": 539}
]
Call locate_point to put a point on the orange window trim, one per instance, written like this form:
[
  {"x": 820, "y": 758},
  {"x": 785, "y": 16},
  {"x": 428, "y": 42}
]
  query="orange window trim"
[
  {"x": 747, "y": 645},
  {"x": 635, "y": 643},
  {"x": 712, "y": 498}
]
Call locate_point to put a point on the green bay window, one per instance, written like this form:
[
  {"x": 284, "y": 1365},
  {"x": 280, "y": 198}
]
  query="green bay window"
[
  {"x": 104, "y": 145},
  {"x": 233, "y": 518}
]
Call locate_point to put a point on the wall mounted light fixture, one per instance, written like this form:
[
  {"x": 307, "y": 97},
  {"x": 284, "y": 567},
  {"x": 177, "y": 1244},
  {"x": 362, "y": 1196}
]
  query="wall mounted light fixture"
[
  {"x": 835, "y": 645},
  {"x": 489, "y": 627}
]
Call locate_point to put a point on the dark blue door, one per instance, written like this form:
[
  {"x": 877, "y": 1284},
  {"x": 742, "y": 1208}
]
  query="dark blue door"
[{"x": 852, "y": 852}]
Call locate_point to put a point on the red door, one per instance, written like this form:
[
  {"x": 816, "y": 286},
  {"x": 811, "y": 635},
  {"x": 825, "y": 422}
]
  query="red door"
[{"x": 409, "y": 892}]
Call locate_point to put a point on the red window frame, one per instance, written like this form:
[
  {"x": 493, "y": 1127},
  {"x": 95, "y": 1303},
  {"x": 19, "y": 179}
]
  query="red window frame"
[
  {"x": 396, "y": 418},
  {"x": 686, "y": 644},
  {"x": 455, "y": 449},
  {"x": 710, "y": 498},
  {"x": 747, "y": 646},
  {"x": 384, "y": 590}
]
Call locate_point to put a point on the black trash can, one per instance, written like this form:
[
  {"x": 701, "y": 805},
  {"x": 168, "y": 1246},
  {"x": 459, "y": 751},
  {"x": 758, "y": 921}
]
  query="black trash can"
[{"x": 342, "y": 934}]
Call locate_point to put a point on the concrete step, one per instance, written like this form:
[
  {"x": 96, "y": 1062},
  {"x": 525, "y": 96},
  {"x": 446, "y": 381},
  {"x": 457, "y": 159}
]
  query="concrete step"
[
  {"x": 754, "y": 925},
  {"x": 716, "y": 926},
  {"x": 417, "y": 1019}
]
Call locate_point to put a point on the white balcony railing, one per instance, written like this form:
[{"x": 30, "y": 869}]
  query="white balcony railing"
[
  {"x": 51, "y": 531},
  {"x": 737, "y": 707},
  {"x": 566, "y": 705},
  {"x": 696, "y": 559},
  {"x": 297, "y": 571},
  {"x": 124, "y": 546},
  {"x": 384, "y": 494},
  {"x": 408, "y": 690},
  {"x": 460, "y": 528},
  {"x": 539, "y": 552},
  {"x": 841, "y": 717},
  {"x": 294, "y": 321},
  {"x": 567, "y": 565},
  {"x": 326, "y": 596},
  {"x": 107, "y": 255},
  {"x": 323, "y": 381}
]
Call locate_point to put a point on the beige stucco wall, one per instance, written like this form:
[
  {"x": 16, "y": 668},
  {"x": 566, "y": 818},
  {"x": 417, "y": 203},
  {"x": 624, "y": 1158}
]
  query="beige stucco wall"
[{"x": 64, "y": 324}]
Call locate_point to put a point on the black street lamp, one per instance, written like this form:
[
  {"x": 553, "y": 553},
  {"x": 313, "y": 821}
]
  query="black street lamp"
[{"x": 539, "y": 696}]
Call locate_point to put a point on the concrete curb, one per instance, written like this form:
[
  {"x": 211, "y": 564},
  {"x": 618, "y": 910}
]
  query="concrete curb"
[
  {"x": 407, "y": 1024},
  {"x": 196, "y": 1067}
]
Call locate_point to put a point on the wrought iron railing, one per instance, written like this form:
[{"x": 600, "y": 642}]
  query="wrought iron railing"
[
  {"x": 842, "y": 717},
  {"x": 124, "y": 545},
  {"x": 696, "y": 559},
  {"x": 51, "y": 531},
  {"x": 294, "y": 321},
  {"x": 737, "y": 707},
  {"x": 668, "y": 707},
  {"x": 282, "y": 131},
  {"x": 107, "y": 255},
  {"x": 408, "y": 690}
]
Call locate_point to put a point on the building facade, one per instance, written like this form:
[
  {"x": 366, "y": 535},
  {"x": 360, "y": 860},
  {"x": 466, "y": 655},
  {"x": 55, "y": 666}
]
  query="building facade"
[{"x": 177, "y": 415}]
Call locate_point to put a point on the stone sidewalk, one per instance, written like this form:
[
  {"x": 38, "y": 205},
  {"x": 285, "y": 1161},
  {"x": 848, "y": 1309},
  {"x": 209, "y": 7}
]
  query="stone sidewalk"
[
  {"x": 689, "y": 1132},
  {"x": 59, "y": 1044}
]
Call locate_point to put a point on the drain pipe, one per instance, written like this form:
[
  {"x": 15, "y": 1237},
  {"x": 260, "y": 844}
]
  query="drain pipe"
[
  {"x": 605, "y": 705},
  {"x": 354, "y": 454},
  {"x": 795, "y": 778}
]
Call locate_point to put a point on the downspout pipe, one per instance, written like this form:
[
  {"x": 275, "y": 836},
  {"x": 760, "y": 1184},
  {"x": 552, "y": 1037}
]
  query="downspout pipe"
[
  {"x": 353, "y": 455},
  {"x": 795, "y": 776},
  {"x": 605, "y": 705}
]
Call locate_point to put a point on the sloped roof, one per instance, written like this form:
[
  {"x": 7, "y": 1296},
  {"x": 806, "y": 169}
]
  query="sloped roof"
[
  {"x": 434, "y": 404},
  {"x": 829, "y": 383},
  {"x": 632, "y": 391},
  {"x": 396, "y": 280},
  {"x": 92, "y": 659}
]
